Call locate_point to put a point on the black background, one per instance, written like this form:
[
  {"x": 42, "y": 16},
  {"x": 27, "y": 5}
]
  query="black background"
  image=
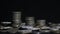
[{"x": 38, "y": 8}]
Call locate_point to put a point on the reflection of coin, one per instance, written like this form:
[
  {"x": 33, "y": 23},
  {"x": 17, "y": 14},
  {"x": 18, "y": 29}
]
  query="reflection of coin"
[
  {"x": 13, "y": 30},
  {"x": 3, "y": 30},
  {"x": 57, "y": 31}
]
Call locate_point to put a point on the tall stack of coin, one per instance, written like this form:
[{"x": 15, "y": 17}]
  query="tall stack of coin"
[
  {"x": 16, "y": 22},
  {"x": 16, "y": 19}
]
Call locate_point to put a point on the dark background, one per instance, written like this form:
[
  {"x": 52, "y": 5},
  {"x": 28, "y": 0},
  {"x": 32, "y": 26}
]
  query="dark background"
[{"x": 39, "y": 9}]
